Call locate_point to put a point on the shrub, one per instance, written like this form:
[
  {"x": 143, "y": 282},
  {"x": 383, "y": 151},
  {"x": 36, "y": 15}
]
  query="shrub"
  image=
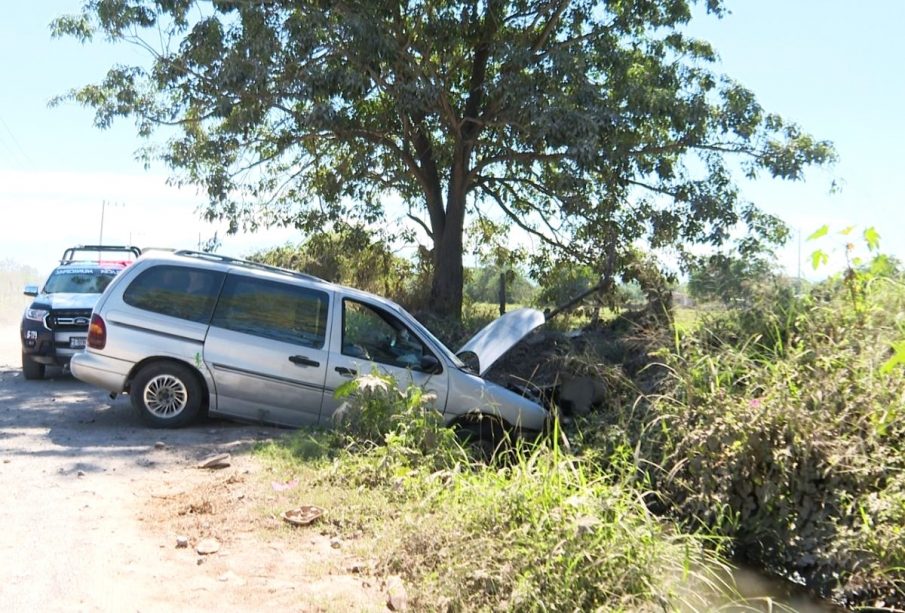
[
  {"x": 350, "y": 255},
  {"x": 778, "y": 427},
  {"x": 401, "y": 426}
]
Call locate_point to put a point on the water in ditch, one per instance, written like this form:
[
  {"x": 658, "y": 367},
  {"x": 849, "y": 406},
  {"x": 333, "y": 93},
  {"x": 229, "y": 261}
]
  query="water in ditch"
[{"x": 755, "y": 591}]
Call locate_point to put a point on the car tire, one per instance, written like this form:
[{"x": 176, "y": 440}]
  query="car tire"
[
  {"x": 166, "y": 395},
  {"x": 483, "y": 438},
  {"x": 31, "y": 370}
]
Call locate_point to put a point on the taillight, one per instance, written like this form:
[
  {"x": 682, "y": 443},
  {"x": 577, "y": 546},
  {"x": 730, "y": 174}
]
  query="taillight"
[{"x": 97, "y": 332}]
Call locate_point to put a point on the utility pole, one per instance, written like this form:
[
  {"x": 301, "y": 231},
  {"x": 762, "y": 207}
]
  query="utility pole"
[
  {"x": 104, "y": 204},
  {"x": 100, "y": 240}
]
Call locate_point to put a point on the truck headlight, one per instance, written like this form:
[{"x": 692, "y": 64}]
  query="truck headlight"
[{"x": 36, "y": 314}]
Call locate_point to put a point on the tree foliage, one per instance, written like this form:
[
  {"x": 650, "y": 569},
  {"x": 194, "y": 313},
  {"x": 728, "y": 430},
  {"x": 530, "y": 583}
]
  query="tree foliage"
[
  {"x": 350, "y": 255},
  {"x": 591, "y": 126},
  {"x": 483, "y": 285},
  {"x": 564, "y": 281},
  {"x": 728, "y": 278}
]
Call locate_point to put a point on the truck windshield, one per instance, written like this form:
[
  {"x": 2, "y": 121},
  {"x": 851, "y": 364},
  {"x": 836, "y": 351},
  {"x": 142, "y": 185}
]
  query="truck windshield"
[{"x": 79, "y": 280}]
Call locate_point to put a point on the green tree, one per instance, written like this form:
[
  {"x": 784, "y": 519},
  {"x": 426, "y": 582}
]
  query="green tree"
[
  {"x": 564, "y": 281},
  {"x": 575, "y": 121},
  {"x": 728, "y": 278},
  {"x": 351, "y": 255},
  {"x": 483, "y": 285}
]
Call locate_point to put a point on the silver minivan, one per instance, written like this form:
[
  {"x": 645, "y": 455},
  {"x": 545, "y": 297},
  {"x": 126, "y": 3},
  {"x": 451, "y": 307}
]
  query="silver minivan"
[{"x": 184, "y": 331}]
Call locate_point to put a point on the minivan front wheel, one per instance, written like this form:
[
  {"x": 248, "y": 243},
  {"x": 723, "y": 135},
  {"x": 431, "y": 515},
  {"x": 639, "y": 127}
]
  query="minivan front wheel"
[
  {"x": 167, "y": 395},
  {"x": 483, "y": 437}
]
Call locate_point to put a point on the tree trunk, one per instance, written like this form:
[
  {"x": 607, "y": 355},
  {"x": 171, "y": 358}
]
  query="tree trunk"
[
  {"x": 448, "y": 229},
  {"x": 448, "y": 278}
]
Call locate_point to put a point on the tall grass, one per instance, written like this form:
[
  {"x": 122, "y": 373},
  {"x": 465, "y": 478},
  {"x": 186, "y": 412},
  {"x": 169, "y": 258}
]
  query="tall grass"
[
  {"x": 537, "y": 529},
  {"x": 777, "y": 426},
  {"x": 775, "y": 432}
]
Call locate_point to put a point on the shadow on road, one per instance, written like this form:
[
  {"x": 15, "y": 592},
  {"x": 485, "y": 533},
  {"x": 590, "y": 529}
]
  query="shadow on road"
[{"x": 61, "y": 417}]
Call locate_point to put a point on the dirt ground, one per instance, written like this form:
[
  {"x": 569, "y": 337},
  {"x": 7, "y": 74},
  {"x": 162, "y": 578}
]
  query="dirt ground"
[{"x": 93, "y": 504}]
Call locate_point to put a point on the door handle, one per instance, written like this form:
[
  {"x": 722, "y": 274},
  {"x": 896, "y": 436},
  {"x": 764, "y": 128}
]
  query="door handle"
[
  {"x": 301, "y": 360},
  {"x": 346, "y": 372}
]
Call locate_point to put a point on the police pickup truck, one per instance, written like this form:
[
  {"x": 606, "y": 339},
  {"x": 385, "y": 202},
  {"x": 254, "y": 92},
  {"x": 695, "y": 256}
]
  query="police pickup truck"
[{"x": 55, "y": 325}]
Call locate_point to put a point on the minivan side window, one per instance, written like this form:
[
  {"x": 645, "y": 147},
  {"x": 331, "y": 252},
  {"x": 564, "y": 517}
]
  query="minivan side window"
[
  {"x": 376, "y": 335},
  {"x": 177, "y": 291},
  {"x": 274, "y": 310}
]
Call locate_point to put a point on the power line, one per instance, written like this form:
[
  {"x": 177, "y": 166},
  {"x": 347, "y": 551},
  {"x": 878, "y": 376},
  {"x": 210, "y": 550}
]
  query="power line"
[
  {"x": 104, "y": 205},
  {"x": 13, "y": 156},
  {"x": 21, "y": 152}
]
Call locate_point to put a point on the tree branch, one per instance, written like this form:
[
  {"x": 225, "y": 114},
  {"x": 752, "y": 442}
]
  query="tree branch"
[
  {"x": 479, "y": 71},
  {"x": 516, "y": 156},
  {"x": 544, "y": 216},
  {"x": 518, "y": 221},
  {"x": 421, "y": 223},
  {"x": 548, "y": 27},
  {"x": 431, "y": 183}
]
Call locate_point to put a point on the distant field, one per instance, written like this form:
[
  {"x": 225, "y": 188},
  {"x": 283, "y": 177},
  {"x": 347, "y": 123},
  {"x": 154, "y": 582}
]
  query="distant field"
[{"x": 12, "y": 281}]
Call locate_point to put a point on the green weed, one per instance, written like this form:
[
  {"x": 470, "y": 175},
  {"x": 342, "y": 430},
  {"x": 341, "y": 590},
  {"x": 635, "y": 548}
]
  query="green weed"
[
  {"x": 538, "y": 529},
  {"x": 781, "y": 428}
]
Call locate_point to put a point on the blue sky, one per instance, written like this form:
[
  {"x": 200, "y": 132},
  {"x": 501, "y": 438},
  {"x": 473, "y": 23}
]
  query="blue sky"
[{"x": 833, "y": 66}]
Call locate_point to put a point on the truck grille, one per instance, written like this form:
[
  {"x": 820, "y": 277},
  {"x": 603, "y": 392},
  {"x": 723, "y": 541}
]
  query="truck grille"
[{"x": 69, "y": 319}]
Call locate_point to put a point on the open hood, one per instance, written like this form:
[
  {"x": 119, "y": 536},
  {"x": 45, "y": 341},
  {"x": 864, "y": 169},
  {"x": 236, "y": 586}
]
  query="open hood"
[{"x": 499, "y": 336}]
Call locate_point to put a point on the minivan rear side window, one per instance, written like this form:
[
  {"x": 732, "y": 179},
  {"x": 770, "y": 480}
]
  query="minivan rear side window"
[
  {"x": 274, "y": 310},
  {"x": 177, "y": 291}
]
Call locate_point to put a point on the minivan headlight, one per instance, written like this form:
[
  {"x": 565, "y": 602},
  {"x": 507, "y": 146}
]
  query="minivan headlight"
[{"x": 36, "y": 314}]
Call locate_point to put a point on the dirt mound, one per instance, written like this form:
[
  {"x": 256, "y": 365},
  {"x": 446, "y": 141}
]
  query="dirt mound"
[{"x": 599, "y": 361}]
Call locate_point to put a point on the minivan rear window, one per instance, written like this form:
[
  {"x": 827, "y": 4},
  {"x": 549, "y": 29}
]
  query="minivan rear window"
[
  {"x": 177, "y": 291},
  {"x": 278, "y": 311}
]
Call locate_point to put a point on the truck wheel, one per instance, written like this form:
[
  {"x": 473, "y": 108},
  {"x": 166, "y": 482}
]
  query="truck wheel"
[
  {"x": 166, "y": 395},
  {"x": 30, "y": 369}
]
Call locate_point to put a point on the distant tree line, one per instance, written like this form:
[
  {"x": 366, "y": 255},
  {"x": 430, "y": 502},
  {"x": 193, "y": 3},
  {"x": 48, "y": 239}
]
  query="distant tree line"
[
  {"x": 362, "y": 258},
  {"x": 13, "y": 279}
]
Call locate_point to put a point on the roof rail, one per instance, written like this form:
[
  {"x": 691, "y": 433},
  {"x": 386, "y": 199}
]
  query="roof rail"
[
  {"x": 203, "y": 255},
  {"x": 69, "y": 254}
]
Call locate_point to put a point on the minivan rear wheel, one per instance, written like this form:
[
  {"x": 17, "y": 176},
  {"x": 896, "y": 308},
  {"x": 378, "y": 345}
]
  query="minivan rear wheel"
[{"x": 166, "y": 395}]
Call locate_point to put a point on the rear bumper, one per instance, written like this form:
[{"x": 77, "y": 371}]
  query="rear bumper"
[{"x": 105, "y": 372}]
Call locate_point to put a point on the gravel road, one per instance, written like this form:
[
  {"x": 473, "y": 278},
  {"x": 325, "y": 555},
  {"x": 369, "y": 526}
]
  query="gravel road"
[{"x": 78, "y": 474}]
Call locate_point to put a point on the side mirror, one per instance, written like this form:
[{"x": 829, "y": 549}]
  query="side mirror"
[
  {"x": 430, "y": 364},
  {"x": 31, "y": 290}
]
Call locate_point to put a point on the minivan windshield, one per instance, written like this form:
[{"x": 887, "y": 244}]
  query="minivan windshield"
[
  {"x": 419, "y": 327},
  {"x": 79, "y": 280}
]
